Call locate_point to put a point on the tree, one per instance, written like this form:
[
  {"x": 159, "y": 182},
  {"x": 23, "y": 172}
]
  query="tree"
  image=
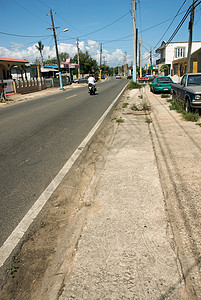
[
  {"x": 53, "y": 61},
  {"x": 63, "y": 56},
  {"x": 40, "y": 48},
  {"x": 165, "y": 69},
  {"x": 87, "y": 63}
]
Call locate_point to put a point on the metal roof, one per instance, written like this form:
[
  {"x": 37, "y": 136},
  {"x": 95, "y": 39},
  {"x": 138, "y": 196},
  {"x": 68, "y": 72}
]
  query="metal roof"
[{"x": 14, "y": 60}]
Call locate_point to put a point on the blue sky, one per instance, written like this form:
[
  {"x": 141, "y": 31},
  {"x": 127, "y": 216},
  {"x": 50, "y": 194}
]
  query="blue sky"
[{"x": 83, "y": 17}]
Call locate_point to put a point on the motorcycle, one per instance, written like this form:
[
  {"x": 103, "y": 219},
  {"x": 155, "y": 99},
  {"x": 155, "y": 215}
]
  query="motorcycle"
[{"x": 92, "y": 89}]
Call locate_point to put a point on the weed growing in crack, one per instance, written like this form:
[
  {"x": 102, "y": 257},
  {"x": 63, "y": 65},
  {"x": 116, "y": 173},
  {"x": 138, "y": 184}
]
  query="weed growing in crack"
[
  {"x": 125, "y": 104},
  {"x": 42, "y": 224},
  {"x": 134, "y": 107},
  {"x": 187, "y": 116},
  {"x": 120, "y": 120},
  {"x": 14, "y": 268},
  {"x": 146, "y": 106},
  {"x": 148, "y": 121}
]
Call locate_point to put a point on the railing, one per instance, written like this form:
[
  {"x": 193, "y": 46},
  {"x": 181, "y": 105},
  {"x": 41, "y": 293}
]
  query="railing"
[
  {"x": 160, "y": 61},
  {"x": 29, "y": 86}
]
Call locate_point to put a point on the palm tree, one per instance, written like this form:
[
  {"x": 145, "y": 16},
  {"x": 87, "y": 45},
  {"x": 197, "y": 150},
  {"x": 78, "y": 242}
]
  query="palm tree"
[{"x": 40, "y": 48}]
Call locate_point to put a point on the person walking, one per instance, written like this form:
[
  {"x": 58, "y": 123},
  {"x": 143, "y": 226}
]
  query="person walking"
[{"x": 3, "y": 94}]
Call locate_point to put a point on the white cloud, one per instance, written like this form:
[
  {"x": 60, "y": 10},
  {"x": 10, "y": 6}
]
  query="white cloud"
[{"x": 31, "y": 53}]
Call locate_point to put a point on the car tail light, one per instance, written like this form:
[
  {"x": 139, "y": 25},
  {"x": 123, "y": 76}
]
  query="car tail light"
[{"x": 158, "y": 85}]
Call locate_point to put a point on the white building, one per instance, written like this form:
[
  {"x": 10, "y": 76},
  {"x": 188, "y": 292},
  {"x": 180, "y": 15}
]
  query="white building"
[{"x": 173, "y": 51}]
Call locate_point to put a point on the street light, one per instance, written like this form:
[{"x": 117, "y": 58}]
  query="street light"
[{"x": 64, "y": 30}]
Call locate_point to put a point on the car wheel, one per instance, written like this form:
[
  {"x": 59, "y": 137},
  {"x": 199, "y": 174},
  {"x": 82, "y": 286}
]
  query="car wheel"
[{"x": 187, "y": 106}]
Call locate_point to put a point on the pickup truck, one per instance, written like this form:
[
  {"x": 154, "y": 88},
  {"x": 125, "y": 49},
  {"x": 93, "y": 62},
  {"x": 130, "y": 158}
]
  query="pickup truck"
[{"x": 188, "y": 91}]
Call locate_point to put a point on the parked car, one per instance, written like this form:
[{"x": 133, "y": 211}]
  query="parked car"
[
  {"x": 118, "y": 76},
  {"x": 145, "y": 78},
  {"x": 82, "y": 80},
  {"x": 188, "y": 91},
  {"x": 161, "y": 84},
  {"x": 150, "y": 77}
]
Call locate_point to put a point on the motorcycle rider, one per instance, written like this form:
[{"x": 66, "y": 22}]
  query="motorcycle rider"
[{"x": 92, "y": 80}]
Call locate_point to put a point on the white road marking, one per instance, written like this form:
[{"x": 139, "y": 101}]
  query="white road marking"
[{"x": 15, "y": 237}]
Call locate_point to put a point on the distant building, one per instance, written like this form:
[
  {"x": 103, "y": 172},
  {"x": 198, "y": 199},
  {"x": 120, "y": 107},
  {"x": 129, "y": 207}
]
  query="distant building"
[
  {"x": 173, "y": 51},
  {"x": 7, "y": 64},
  {"x": 179, "y": 65},
  {"x": 30, "y": 72}
]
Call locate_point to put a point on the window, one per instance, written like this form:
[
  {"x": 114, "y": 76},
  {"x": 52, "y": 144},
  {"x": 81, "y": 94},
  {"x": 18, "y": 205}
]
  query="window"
[
  {"x": 164, "y": 79},
  {"x": 183, "y": 80},
  {"x": 180, "y": 52},
  {"x": 194, "y": 80}
]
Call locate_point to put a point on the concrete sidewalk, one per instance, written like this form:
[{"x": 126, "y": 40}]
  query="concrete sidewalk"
[{"x": 125, "y": 248}]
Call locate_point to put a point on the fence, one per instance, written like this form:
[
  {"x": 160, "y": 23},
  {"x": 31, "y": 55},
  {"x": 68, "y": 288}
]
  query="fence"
[
  {"x": 29, "y": 86},
  {"x": 54, "y": 82},
  {"x": 34, "y": 85}
]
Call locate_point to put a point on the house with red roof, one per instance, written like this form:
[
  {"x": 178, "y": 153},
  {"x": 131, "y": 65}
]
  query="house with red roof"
[
  {"x": 6, "y": 65},
  {"x": 19, "y": 77}
]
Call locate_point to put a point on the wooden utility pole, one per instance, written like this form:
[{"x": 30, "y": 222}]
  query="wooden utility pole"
[
  {"x": 189, "y": 69},
  {"x": 57, "y": 53},
  {"x": 101, "y": 51},
  {"x": 151, "y": 59},
  {"x": 140, "y": 57},
  {"x": 78, "y": 57},
  {"x": 134, "y": 42},
  {"x": 125, "y": 64}
]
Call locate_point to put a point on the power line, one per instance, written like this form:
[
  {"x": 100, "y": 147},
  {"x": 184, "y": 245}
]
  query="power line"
[
  {"x": 30, "y": 11},
  {"x": 161, "y": 23},
  {"x": 30, "y": 43},
  {"x": 116, "y": 40},
  {"x": 182, "y": 21},
  {"x": 105, "y": 26},
  {"x": 60, "y": 17},
  {"x": 27, "y": 36},
  {"x": 170, "y": 23}
]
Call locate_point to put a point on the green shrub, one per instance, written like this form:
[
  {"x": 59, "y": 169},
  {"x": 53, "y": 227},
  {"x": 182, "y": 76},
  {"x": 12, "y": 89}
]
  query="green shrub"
[
  {"x": 125, "y": 104},
  {"x": 175, "y": 105},
  {"x": 134, "y": 107},
  {"x": 189, "y": 116},
  {"x": 120, "y": 120},
  {"x": 133, "y": 85},
  {"x": 165, "y": 95}
]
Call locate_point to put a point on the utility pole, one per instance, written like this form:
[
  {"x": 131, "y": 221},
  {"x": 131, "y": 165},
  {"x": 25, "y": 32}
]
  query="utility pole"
[
  {"x": 103, "y": 65},
  {"x": 78, "y": 57},
  {"x": 101, "y": 51},
  {"x": 134, "y": 42},
  {"x": 151, "y": 59},
  {"x": 125, "y": 64},
  {"x": 140, "y": 57},
  {"x": 57, "y": 53},
  {"x": 189, "y": 69}
]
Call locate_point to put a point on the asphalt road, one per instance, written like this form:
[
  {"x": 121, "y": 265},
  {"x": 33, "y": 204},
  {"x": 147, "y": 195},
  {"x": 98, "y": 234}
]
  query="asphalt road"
[{"x": 37, "y": 137}]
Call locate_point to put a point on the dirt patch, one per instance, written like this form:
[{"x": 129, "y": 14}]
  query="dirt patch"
[{"x": 25, "y": 274}]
